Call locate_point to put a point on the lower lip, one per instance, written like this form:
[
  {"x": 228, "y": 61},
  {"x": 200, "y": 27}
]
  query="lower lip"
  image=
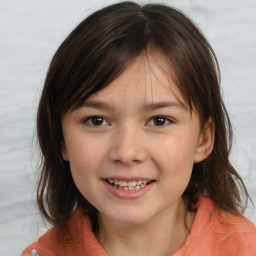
[{"x": 128, "y": 194}]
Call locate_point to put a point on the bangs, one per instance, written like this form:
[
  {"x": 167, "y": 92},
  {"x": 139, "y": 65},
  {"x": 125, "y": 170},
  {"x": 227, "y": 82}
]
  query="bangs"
[{"x": 99, "y": 50}]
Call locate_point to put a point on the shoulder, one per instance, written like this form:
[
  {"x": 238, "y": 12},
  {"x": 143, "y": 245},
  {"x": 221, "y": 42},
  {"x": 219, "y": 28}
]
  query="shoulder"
[
  {"x": 221, "y": 233},
  {"x": 51, "y": 244},
  {"x": 223, "y": 221}
]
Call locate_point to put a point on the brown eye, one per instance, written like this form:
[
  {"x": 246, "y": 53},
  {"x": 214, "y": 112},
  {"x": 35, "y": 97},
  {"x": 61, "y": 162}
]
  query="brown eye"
[
  {"x": 96, "y": 121},
  {"x": 159, "y": 121}
]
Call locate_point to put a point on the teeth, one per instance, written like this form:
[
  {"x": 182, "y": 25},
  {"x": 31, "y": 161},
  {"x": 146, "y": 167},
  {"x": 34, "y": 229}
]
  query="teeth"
[
  {"x": 139, "y": 182},
  {"x": 130, "y": 185},
  {"x": 123, "y": 183}
]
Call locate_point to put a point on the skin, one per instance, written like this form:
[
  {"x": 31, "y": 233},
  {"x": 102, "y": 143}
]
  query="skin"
[{"x": 130, "y": 141}]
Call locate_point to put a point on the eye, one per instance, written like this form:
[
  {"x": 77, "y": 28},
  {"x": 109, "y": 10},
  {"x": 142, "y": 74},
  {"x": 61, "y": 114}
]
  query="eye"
[
  {"x": 159, "y": 121},
  {"x": 96, "y": 121}
]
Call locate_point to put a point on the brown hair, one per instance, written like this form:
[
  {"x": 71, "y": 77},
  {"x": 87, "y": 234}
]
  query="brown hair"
[{"x": 95, "y": 53}]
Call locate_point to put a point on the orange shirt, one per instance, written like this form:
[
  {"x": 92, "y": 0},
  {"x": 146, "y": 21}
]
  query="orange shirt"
[{"x": 214, "y": 233}]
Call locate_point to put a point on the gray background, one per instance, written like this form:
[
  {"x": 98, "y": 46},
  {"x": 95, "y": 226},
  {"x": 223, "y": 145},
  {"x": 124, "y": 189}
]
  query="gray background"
[{"x": 31, "y": 31}]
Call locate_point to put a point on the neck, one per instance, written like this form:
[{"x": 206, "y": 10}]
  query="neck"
[{"x": 162, "y": 235}]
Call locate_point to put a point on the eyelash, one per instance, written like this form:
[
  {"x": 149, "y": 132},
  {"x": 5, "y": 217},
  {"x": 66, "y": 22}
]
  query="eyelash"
[
  {"x": 89, "y": 121},
  {"x": 165, "y": 119}
]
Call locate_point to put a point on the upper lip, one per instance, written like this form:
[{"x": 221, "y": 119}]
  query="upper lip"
[{"x": 128, "y": 178}]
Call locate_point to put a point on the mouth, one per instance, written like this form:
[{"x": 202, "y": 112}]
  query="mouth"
[{"x": 129, "y": 185}]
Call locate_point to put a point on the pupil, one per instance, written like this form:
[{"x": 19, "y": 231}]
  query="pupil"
[
  {"x": 159, "y": 121},
  {"x": 97, "y": 120}
]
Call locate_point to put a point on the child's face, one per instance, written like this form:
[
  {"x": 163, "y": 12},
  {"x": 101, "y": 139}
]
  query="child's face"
[{"x": 132, "y": 132}]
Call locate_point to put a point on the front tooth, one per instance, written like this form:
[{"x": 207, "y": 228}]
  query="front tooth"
[
  {"x": 131, "y": 188},
  {"x": 139, "y": 182},
  {"x": 123, "y": 183},
  {"x": 132, "y": 183}
]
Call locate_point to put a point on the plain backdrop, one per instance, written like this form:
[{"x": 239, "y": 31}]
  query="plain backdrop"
[{"x": 31, "y": 31}]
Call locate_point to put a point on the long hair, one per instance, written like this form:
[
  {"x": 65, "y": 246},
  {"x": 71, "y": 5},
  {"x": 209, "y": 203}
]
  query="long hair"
[{"x": 94, "y": 54}]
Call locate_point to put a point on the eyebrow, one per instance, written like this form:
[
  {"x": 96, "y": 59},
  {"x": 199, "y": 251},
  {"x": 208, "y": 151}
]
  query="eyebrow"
[
  {"x": 146, "y": 107},
  {"x": 99, "y": 105},
  {"x": 164, "y": 104}
]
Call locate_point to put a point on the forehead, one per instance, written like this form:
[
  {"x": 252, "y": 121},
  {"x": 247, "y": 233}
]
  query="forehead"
[{"x": 148, "y": 78}]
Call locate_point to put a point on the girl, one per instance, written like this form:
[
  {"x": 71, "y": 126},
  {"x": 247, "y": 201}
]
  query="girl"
[{"x": 135, "y": 142}]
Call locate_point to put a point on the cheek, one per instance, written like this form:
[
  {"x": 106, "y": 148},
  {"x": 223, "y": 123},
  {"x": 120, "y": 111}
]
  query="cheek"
[
  {"x": 175, "y": 169},
  {"x": 176, "y": 150},
  {"x": 174, "y": 160},
  {"x": 82, "y": 152},
  {"x": 85, "y": 158}
]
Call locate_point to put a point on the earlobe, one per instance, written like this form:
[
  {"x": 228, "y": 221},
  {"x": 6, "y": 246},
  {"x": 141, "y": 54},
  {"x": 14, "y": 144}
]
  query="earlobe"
[
  {"x": 205, "y": 142},
  {"x": 64, "y": 152}
]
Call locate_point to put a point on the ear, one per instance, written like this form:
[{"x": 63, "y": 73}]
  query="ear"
[
  {"x": 64, "y": 152},
  {"x": 205, "y": 141}
]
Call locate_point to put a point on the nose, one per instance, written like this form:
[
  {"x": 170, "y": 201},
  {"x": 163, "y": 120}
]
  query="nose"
[{"x": 128, "y": 147}]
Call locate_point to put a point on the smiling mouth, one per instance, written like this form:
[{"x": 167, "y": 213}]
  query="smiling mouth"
[{"x": 129, "y": 185}]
